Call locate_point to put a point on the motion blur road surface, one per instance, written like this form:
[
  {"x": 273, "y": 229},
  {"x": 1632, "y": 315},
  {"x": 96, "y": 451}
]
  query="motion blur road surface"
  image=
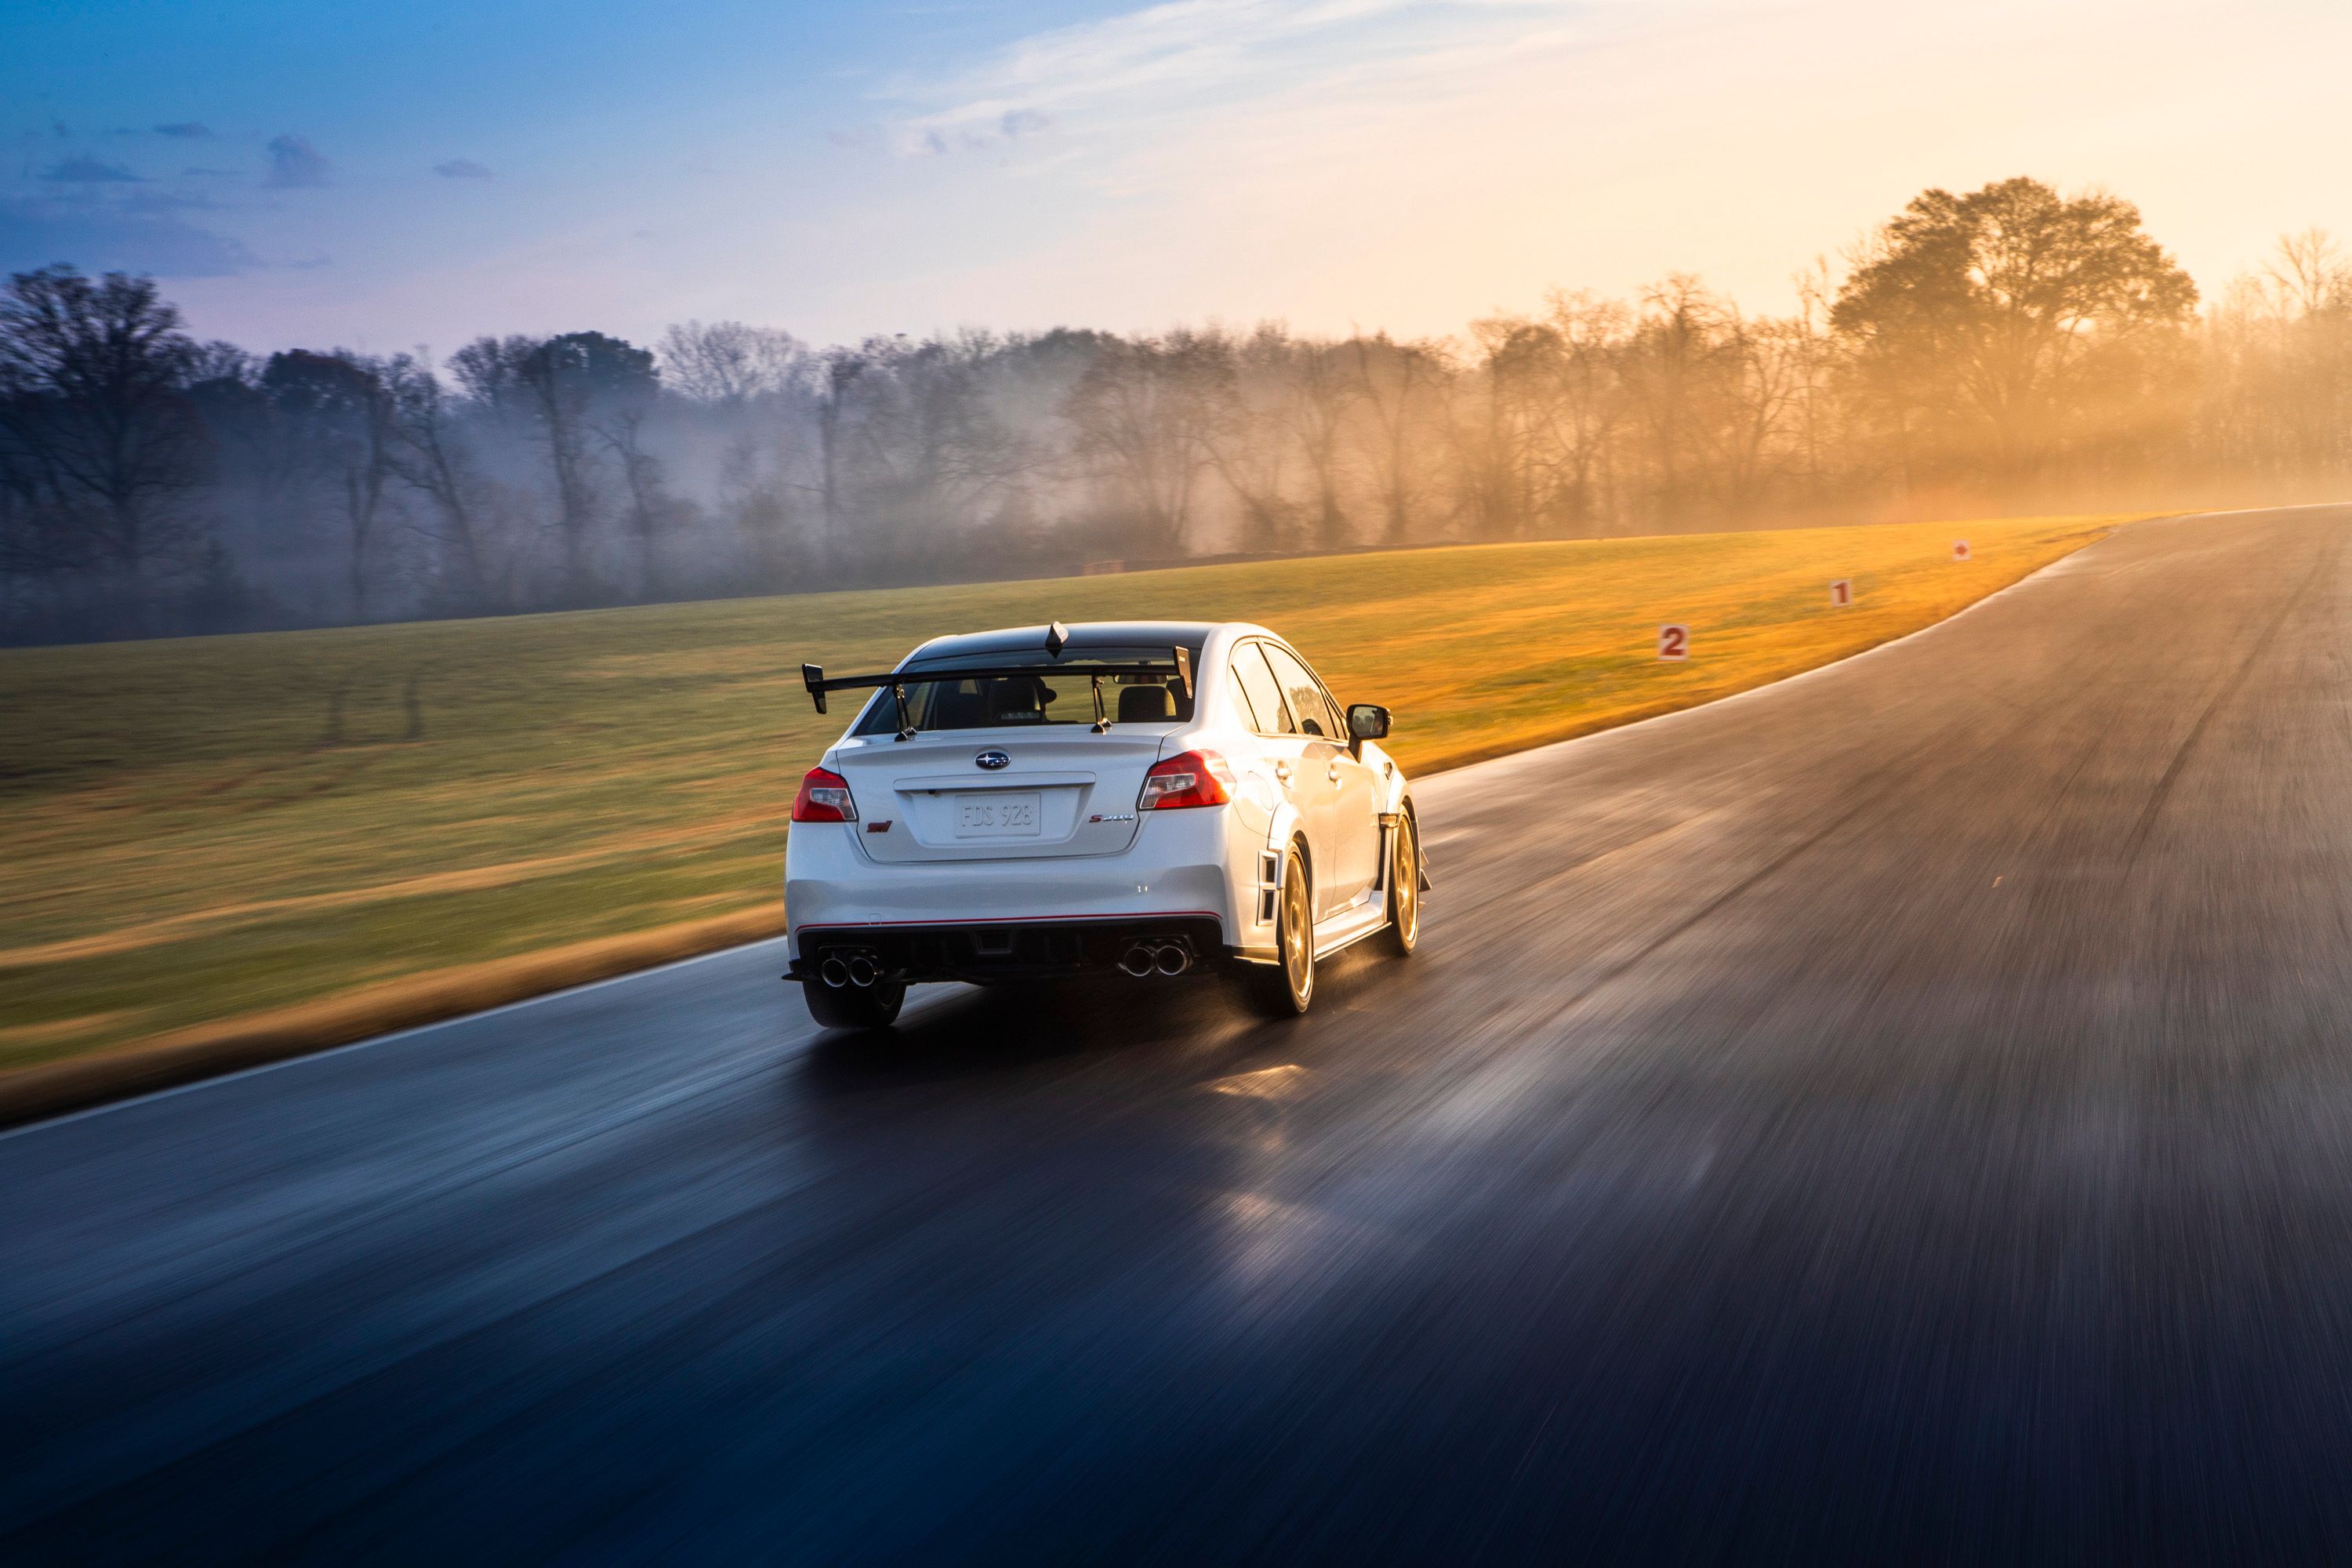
[{"x": 1904, "y": 1114}]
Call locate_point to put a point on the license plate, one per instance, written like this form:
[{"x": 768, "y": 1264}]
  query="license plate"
[{"x": 996, "y": 815}]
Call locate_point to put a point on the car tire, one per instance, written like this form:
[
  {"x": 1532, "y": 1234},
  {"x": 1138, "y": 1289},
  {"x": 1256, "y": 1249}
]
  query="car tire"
[
  {"x": 872, "y": 1006},
  {"x": 1286, "y": 988},
  {"x": 1404, "y": 888}
]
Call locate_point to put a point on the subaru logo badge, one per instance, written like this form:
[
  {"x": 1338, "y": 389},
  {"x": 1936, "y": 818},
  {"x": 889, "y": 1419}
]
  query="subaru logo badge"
[{"x": 993, "y": 759}]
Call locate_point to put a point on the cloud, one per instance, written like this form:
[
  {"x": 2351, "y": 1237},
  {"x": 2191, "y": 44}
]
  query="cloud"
[
  {"x": 294, "y": 163},
  {"x": 84, "y": 170},
  {"x": 1179, "y": 54},
  {"x": 462, "y": 169},
  {"x": 38, "y": 231},
  {"x": 185, "y": 129},
  {"x": 969, "y": 136}
]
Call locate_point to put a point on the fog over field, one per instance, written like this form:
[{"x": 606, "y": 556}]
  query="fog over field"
[{"x": 2011, "y": 349}]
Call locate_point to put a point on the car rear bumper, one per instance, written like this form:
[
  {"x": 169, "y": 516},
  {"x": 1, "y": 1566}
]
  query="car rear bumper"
[{"x": 1189, "y": 873}]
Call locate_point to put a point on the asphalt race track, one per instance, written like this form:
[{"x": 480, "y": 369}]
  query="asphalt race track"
[{"x": 1903, "y": 1114}]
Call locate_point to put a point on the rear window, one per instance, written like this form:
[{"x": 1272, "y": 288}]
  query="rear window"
[{"x": 1052, "y": 696}]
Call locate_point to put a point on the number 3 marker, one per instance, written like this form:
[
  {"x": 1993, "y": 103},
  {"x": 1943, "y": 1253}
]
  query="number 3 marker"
[
  {"x": 1674, "y": 642},
  {"x": 1959, "y": 550},
  {"x": 1842, "y": 593}
]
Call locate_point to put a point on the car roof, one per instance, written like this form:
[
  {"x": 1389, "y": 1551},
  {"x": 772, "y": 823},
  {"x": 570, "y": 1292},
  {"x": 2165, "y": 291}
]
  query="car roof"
[{"x": 1083, "y": 634}]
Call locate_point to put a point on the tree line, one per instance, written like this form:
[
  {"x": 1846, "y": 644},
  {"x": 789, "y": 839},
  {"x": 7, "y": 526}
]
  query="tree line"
[{"x": 2008, "y": 348}]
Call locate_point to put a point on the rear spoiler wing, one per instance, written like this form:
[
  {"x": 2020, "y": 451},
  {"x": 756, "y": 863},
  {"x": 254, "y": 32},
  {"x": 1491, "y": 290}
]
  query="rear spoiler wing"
[{"x": 812, "y": 676}]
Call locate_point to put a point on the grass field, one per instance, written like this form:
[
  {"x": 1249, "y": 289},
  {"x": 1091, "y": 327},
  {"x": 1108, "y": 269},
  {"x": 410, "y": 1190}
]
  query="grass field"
[{"x": 304, "y": 836}]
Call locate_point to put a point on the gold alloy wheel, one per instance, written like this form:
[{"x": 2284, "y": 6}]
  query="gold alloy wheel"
[
  {"x": 1405, "y": 888},
  {"x": 1297, "y": 934},
  {"x": 1283, "y": 988}
]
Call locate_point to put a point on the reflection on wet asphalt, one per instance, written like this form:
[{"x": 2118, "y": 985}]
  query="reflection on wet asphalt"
[{"x": 1904, "y": 1113}]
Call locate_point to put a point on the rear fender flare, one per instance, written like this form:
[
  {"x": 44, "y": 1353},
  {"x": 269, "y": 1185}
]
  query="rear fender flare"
[
  {"x": 1287, "y": 825},
  {"x": 1395, "y": 794}
]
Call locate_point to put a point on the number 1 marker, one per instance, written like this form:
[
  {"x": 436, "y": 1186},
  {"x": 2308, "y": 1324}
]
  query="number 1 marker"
[
  {"x": 1674, "y": 642},
  {"x": 1959, "y": 550},
  {"x": 1842, "y": 593}
]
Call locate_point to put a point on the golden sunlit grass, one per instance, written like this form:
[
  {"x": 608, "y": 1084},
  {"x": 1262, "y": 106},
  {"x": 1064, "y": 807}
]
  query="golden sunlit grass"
[{"x": 315, "y": 834}]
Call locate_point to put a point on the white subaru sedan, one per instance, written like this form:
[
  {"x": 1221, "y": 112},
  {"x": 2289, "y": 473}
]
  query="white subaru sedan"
[{"x": 1161, "y": 798}]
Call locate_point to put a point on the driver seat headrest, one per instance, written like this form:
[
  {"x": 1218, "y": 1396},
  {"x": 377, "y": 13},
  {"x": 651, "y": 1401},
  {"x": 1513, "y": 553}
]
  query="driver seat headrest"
[
  {"x": 1146, "y": 704},
  {"x": 1017, "y": 697}
]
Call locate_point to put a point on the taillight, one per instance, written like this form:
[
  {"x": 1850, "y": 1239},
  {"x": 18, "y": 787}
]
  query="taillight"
[
  {"x": 823, "y": 797},
  {"x": 1188, "y": 778}
]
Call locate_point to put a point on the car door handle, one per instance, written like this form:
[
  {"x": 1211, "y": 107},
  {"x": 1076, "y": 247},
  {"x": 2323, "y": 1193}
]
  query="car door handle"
[
  {"x": 1332, "y": 772},
  {"x": 1282, "y": 772}
]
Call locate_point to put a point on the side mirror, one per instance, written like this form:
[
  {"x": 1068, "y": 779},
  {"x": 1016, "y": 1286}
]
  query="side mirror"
[{"x": 1367, "y": 722}]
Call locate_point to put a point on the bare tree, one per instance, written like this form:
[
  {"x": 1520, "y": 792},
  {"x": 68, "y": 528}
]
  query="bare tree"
[
  {"x": 1671, "y": 362},
  {"x": 1142, "y": 418},
  {"x": 1394, "y": 385},
  {"x": 752, "y": 493},
  {"x": 364, "y": 476},
  {"x": 430, "y": 457},
  {"x": 342, "y": 417},
  {"x": 1755, "y": 398},
  {"x": 648, "y": 509},
  {"x": 490, "y": 369},
  {"x": 2311, "y": 270},
  {"x": 933, "y": 447},
  {"x": 1250, "y": 444},
  {"x": 1489, "y": 422},
  {"x": 102, "y": 451},
  {"x": 567, "y": 381},
  {"x": 1818, "y": 423},
  {"x": 1322, "y": 395},
  {"x": 728, "y": 362},
  {"x": 836, "y": 377},
  {"x": 1580, "y": 398}
]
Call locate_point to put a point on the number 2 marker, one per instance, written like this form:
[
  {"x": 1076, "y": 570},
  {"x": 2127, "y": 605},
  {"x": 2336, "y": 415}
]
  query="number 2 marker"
[{"x": 1674, "y": 642}]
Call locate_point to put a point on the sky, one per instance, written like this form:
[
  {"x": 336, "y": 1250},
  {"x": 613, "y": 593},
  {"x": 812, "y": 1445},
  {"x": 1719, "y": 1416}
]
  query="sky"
[{"x": 384, "y": 176}]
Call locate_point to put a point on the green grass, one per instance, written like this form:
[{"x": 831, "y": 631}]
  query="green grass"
[{"x": 199, "y": 832}]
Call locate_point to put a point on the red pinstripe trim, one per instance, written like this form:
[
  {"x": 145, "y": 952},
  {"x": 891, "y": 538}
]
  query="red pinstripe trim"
[{"x": 1020, "y": 920}]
